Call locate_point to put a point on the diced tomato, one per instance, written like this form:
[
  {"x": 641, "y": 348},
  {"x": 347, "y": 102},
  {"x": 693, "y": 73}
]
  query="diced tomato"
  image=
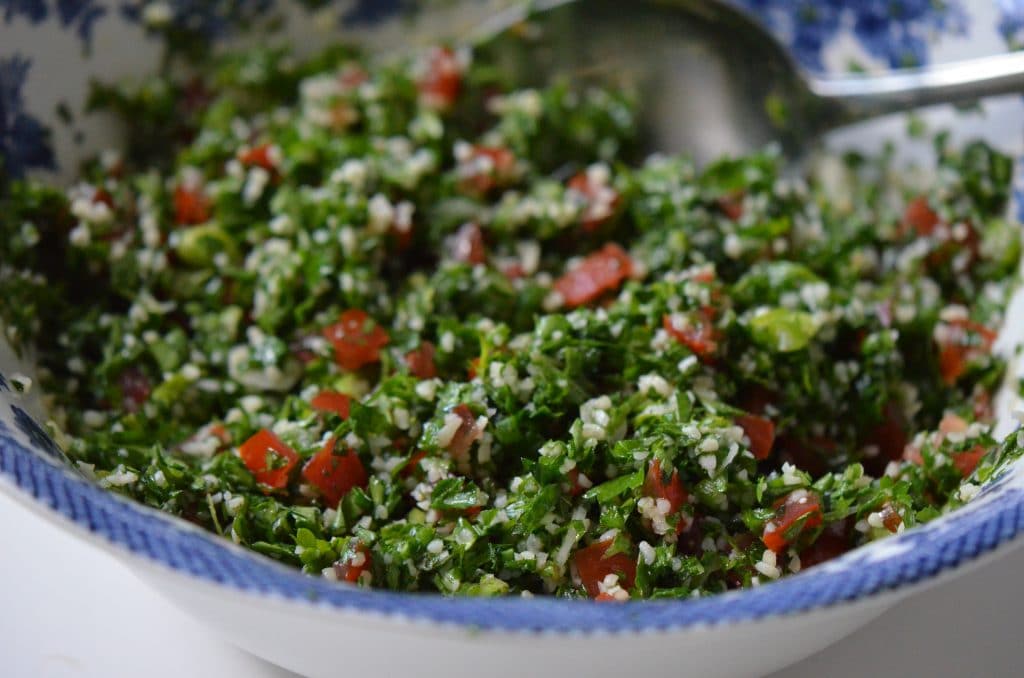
[
  {"x": 215, "y": 430},
  {"x": 468, "y": 245},
  {"x": 731, "y": 205},
  {"x": 474, "y": 367},
  {"x": 656, "y": 486},
  {"x": 483, "y": 168},
  {"x": 441, "y": 81},
  {"x": 351, "y": 567},
  {"x": 704, "y": 275},
  {"x": 332, "y": 402},
  {"x": 413, "y": 465},
  {"x": 421, "y": 361},
  {"x": 912, "y": 453},
  {"x": 218, "y": 431},
  {"x": 467, "y": 433},
  {"x": 982, "y": 409},
  {"x": 952, "y": 423},
  {"x": 103, "y": 195},
  {"x": 600, "y": 198},
  {"x": 959, "y": 342},
  {"x": 920, "y": 216},
  {"x": 514, "y": 271},
  {"x": 191, "y": 207},
  {"x": 135, "y": 389},
  {"x": 593, "y": 566},
  {"x": 258, "y": 156},
  {"x": 575, "y": 488},
  {"x": 798, "y": 511},
  {"x": 334, "y": 474},
  {"x": 966, "y": 462},
  {"x": 761, "y": 432},
  {"x": 699, "y": 335},
  {"x": 891, "y": 518},
  {"x": 357, "y": 339},
  {"x": 831, "y": 543},
  {"x": 601, "y": 272},
  {"x": 268, "y": 458}
]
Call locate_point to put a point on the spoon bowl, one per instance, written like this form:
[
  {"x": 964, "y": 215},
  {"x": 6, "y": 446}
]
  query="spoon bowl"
[{"x": 710, "y": 80}]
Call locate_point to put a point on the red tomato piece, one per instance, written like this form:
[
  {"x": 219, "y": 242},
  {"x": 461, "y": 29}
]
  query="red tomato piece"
[
  {"x": 920, "y": 216},
  {"x": 103, "y": 195},
  {"x": 761, "y": 432},
  {"x": 575, "y": 488},
  {"x": 601, "y": 272},
  {"x": 135, "y": 389},
  {"x": 413, "y": 465},
  {"x": 334, "y": 474},
  {"x": 966, "y": 462},
  {"x": 268, "y": 458},
  {"x": 357, "y": 339},
  {"x": 699, "y": 336},
  {"x": 731, "y": 205},
  {"x": 191, "y": 207},
  {"x": 912, "y": 454},
  {"x": 656, "y": 486},
  {"x": 593, "y": 566},
  {"x": 259, "y": 156},
  {"x": 332, "y": 402},
  {"x": 214, "y": 431},
  {"x": 474, "y": 367},
  {"x": 441, "y": 81},
  {"x": 959, "y": 342},
  {"x": 218, "y": 431},
  {"x": 952, "y": 423},
  {"x": 468, "y": 245},
  {"x": 483, "y": 168},
  {"x": 601, "y": 200},
  {"x": 467, "y": 433},
  {"x": 421, "y": 361},
  {"x": 891, "y": 518},
  {"x": 798, "y": 511},
  {"x": 351, "y": 567}
]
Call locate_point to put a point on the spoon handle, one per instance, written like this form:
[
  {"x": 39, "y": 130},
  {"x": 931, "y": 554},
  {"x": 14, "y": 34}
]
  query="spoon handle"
[{"x": 865, "y": 96}]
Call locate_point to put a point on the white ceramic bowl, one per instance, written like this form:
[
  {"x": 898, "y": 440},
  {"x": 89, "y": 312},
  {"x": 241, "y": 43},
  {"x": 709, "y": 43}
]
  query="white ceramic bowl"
[{"x": 49, "y": 50}]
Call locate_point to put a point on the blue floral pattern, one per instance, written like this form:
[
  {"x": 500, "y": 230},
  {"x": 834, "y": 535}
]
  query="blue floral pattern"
[
  {"x": 35, "y": 434},
  {"x": 894, "y": 31},
  {"x": 1011, "y": 22},
  {"x": 24, "y": 141},
  {"x": 369, "y": 12},
  {"x": 79, "y": 15}
]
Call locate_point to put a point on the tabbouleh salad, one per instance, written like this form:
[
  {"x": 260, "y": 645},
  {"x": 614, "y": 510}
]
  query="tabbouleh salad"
[{"x": 409, "y": 327}]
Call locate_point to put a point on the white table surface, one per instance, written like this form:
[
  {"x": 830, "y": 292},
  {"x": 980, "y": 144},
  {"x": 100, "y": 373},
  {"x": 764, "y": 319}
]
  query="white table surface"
[{"x": 69, "y": 609}]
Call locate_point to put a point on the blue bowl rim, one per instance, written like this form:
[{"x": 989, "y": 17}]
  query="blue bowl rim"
[{"x": 916, "y": 556}]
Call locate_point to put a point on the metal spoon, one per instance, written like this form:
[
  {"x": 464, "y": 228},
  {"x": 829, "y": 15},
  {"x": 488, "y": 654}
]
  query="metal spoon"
[{"x": 711, "y": 80}]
